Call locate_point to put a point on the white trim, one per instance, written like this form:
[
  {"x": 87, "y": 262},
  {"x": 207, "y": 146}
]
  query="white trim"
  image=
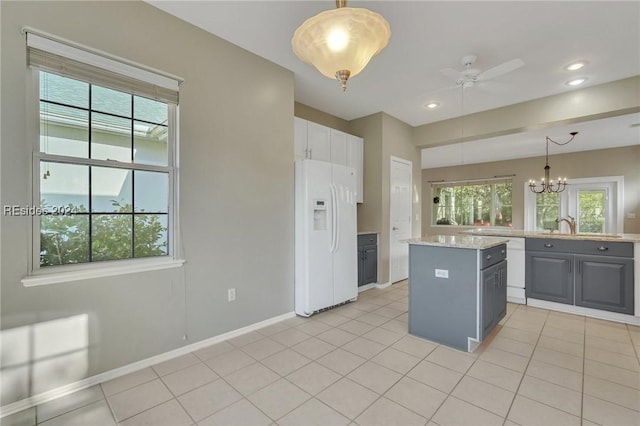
[
  {"x": 588, "y": 312},
  {"x": 366, "y": 287},
  {"x": 94, "y": 271},
  {"x": 81, "y": 53},
  {"x": 61, "y": 391},
  {"x": 382, "y": 285}
]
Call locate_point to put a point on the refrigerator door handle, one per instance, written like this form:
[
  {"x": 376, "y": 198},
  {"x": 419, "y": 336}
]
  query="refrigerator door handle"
[
  {"x": 336, "y": 246},
  {"x": 334, "y": 218}
]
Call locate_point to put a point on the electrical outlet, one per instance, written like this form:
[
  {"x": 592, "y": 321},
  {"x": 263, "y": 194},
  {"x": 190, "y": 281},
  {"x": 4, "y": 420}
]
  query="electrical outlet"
[
  {"x": 442, "y": 273},
  {"x": 231, "y": 294},
  {"x": 631, "y": 215}
]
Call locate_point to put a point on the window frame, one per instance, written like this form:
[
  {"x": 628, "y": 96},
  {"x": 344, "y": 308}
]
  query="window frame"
[
  {"x": 568, "y": 203},
  {"x": 70, "y": 272}
]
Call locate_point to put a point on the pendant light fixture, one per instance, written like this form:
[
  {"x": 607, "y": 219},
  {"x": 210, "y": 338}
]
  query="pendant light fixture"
[
  {"x": 341, "y": 42},
  {"x": 547, "y": 185}
]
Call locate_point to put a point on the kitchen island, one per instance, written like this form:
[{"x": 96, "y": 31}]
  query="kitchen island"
[{"x": 457, "y": 288}]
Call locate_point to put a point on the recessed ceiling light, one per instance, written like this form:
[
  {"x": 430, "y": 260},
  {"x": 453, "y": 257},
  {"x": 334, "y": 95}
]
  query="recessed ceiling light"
[
  {"x": 575, "y": 65},
  {"x": 432, "y": 105},
  {"x": 577, "y": 81}
]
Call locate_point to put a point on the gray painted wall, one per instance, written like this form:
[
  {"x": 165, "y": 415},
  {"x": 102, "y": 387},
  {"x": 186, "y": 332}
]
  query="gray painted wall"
[{"x": 236, "y": 200}]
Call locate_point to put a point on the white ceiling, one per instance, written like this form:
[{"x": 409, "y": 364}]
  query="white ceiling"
[{"x": 428, "y": 36}]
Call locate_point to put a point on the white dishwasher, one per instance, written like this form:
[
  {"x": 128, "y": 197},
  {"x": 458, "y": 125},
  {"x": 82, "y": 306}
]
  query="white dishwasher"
[{"x": 515, "y": 271}]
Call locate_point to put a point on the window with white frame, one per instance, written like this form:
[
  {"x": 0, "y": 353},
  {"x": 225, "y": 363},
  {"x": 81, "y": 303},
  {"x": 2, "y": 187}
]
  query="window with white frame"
[
  {"x": 594, "y": 203},
  {"x": 104, "y": 167},
  {"x": 485, "y": 202}
]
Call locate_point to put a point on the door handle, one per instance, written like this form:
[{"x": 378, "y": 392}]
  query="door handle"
[
  {"x": 489, "y": 257},
  {"x": 394, "y": 228},
  {"x": 603, "y": 248},
  {"x": 548, "y": 245}
]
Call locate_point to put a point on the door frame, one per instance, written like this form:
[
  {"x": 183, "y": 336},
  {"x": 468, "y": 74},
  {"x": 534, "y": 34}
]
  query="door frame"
[{"x": 390, "y": 224}]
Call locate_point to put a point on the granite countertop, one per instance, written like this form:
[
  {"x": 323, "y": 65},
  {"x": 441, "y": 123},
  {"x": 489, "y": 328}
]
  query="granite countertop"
[
  {"x": 520, "y": 233},
  {"x": 459, "y": 241},
  {"x": 367, "y": 232}
]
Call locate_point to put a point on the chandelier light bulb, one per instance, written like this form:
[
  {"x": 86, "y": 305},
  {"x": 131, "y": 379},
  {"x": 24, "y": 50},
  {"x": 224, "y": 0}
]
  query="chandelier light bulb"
[{"x": 337, "y": 40}]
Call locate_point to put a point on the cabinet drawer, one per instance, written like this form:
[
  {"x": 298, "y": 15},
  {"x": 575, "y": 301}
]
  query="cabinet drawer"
[
  {"x": 601, "y": 248},
  {"x": 493, "y": 255},
  {"x": 367, "y": 239}
]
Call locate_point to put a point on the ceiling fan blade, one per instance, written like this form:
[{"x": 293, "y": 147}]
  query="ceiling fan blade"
[
  {"x": 501, "y": 69},
  {"x": 451, "y": 73}
]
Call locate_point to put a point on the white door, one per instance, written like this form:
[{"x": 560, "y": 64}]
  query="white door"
[{"x": 400, "y": 218}]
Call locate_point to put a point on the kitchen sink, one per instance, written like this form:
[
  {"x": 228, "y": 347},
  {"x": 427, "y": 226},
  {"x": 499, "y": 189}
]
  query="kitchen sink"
[{"x": 583, "y": 236}]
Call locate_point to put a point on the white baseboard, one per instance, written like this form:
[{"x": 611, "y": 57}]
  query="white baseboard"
[
  {"x": 588, "y": 312},
  {"x": 366, "y": 287},
  {"x": 383, "y": 285},
  {"x": 518, "y": 300},
  {"x": 61, "y": 391}
]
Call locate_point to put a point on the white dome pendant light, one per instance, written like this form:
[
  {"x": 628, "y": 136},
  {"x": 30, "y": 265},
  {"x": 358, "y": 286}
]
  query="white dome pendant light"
[{"x": 341, "y": 42}]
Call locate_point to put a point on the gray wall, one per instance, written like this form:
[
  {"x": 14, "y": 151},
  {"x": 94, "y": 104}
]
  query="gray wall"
[
  {"x": 604, "y": 162},
  {"x": 236, "y": 198}
]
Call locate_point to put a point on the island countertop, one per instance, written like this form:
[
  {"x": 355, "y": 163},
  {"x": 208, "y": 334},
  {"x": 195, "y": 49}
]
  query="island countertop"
[
  {"x": 459, "y": 241},
  {"x": 520, "y": 233}
]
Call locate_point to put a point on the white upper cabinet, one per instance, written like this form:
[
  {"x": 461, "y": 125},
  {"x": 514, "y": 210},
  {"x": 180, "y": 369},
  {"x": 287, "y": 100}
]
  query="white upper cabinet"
[
  {"x": 300, "y": 138},
  {"x": 338, "y": 147},
  {"x": 317, "y": 142}
]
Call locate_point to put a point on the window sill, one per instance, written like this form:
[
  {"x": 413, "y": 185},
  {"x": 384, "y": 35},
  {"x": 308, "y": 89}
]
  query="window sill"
[{"x": 100, "y": 272}]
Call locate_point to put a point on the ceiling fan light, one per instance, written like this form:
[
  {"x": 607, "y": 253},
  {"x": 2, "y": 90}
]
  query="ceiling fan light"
[{"x": 342, "y": 39}]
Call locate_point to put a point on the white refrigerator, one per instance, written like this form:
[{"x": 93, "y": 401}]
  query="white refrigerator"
[{"x": 326, "y": 258}]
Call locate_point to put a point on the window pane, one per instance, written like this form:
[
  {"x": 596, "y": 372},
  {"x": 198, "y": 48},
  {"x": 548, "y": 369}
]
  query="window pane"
[
  {"x": 110, "y": 101},
  {"x": 486, "y": 204},
  {"x": 110, "y": 190},
  {"x": 150, "y": 144},
  {"x": 64, "y": 239},
  {"x": 547, "y": 211},
  {"x": 150, "y": 110},
  {"x": 64, "y": 90},
  {"x": 64, "y": 185},
  {"x": 592, "y": 207},
  {"x": 151, "y": 192},
  {"x": 110, "y": 138},
  {"x": 111, "y": 236},
  {"x": 150, "y": 235},
  {"x": 63, "y": 130}
]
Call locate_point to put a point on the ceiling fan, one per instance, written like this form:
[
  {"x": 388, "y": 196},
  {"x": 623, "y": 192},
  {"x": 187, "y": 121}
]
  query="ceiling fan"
[{"x": 469, "y": 76}]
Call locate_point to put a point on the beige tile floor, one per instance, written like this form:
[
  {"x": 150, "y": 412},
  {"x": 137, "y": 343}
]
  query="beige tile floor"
[{"x": 356, "y": 364}]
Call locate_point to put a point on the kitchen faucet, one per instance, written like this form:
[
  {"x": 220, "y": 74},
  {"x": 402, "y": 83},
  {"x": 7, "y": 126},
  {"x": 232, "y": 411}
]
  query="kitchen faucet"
[{"x": 571, "y": 222}]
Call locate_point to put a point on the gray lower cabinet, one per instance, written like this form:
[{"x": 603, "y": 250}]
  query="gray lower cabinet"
[
  {"x": 549, "y": 276},
  {"x": 367, "y": 259},
  {"x": 604, "y": 283},
  {"x": 494, "y": 296},
  {"x": 593, "y": 274}
]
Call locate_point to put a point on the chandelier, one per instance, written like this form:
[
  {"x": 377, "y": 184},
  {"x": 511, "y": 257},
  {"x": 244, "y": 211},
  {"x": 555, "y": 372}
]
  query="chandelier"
[
  {"x": 341, "y": 42},
  {"x": 547, "y": 185}
]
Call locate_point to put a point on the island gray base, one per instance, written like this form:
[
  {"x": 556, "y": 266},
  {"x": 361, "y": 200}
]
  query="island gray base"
[{"x": 447, "y": 294}]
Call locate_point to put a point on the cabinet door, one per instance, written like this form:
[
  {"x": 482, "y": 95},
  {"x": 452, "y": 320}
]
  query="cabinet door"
[
  {"x": 604, "y": 282},
  {"x": 488, "y": 307},
  {"x": 501, "y": 291},
  {"x": 370, "y": 270},
  {"x": 318, "y": 142},
  {"x": 355, "y": 159},
  {"x": 549, "y": 276},
  {"x": 360, "y": 266},
  {"x": 338, "y": 147},
  {"x": 299, "y": 139}
]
